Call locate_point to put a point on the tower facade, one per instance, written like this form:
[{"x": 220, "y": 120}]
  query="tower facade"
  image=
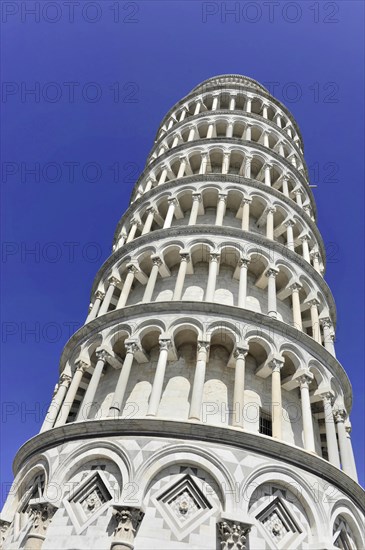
[{"x": 201, "y": 405}]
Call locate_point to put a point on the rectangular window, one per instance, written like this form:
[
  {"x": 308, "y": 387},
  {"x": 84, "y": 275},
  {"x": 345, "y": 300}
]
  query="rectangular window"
[{"x": 265, "y": 426}]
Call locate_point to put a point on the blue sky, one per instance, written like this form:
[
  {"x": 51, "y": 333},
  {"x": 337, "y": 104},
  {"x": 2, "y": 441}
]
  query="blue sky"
[{"x": 104, "y": 76}]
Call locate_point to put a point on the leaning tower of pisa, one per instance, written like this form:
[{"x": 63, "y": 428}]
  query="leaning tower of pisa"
[{"x": 201, "y": 405}]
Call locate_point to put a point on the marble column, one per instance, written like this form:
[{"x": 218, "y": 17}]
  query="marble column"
[
  {"x": 180, "y": 279},
  {"x": 307, "y": 419},
  {"x": 328, "y": 335},
  {"x": 268, "y": 174},
  {"x": 225, "y": 164},
  {"x": 276, "y": 401},
  {"x": 271, "y": 291},
  {"x": 346, "y": 462},
  {"x": 71, "y": 394},
  {"x": 148, "y": 293},
  {"x": 151, "y": 211},
  {"x": 315, "y": 256},
  {"x": 159, "y": 377},
  {"x": 351, "y": 452},
  {"x": 331, "y": 439},
  {"x": 113, "y": 283},
  {"x": 285, "y": 186},
  {"x": 115, "y": 408},
  {"x": 239, "y": 386},
  {"x": 246, "y": 214},
  {"x": 305, "y": 245},
  {"x": 199, "y": 379},
  {"x": 297, "y": 315},
  {"x": 183, "y": 162},
  {"x": 170, "y": 212},
  {"x": 248, "y": 130},
  {"x": 290, "y": 234},
  {"x": 221, "y": 208},
  {"x": 88, "y": 401},
  {"x": 212, "y": 276},
  {"x": 316, "y": 331},
  {"x": 248, "y": 161},
  {"x": 270, "y": 222},
  {"x": 132, "y": 230},
  {"x": 298, "y": 197},
  {"x": 242, "y": 287},
  {"x": 204, "y": 164},
  {"x": 96, "y": 305},
  {"x": 57, "y": 400},
  {"x": 195, "y": 208},
  {"x": 132, "y": 270}
]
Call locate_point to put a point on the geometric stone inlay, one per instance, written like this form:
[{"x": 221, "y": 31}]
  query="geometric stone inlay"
[
  {"x": 183, "y": 506},
  {"x": 278, "y": 522},
  {"x": 88, "y": 501}
]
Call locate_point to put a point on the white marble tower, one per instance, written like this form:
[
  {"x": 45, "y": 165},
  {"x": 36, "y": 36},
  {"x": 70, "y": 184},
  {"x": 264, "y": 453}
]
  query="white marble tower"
[{"x": 201, "y": 406}]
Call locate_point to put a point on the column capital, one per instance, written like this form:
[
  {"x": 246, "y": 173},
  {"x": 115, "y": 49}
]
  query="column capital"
[
  {"x": 173, "y": 200},
  {"x": 276, "y": 363},
  {"x": 81, "y": 366},
  {"x": 268, "y": 164},
  {"x": 270, "y": 209},
  {"x": 313, "y": 302},
  {"x": 203, "y": 345},
  {"x": 197, "y": 196},
  {"x": 222, "y": 196},
  {"x": 246, "y": 200},
  {"x": 132, "y": 268},
  {"x": 305, "y": 379},
  {"x": 184, "y": 158},
  {"x": 233, "y": 534},
  {"x": 131, "y": 346},
  {"x": 4, "y": 526},
  {"x": 102, "y": 355},
  {"x": 156, "y": 260},
  {"x": 314, "y": 254},
  {"x": 64, "y": 379},
  {"x": 41, "y": 513},
  {"x": 305, "y": 238},
  {"x": 185, "y": 256},
  {"x": 226, "y": 153},
  {"x": 290, "y": 222},
  {"x": 326, "y": 322},
  {"x": 296, "y": 286},
  {"x": 136, "y": 222},
  {"x": 244, "y": 261},
  {"x": 164, "y": 343},
  {"x": 340, "y": 415},
  {"x": 214, "y": 256},
  {"x": 151, "y": 208},
  {"x": 127, "y": 521},
  {"x": 240, "y": 352},
  {"x": 271, "y": 272},
  {"x": 114, "y": 281},
  {"x": 99, "y": 295}
]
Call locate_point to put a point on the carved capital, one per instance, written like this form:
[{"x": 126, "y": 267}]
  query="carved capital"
[
  {"x": 185, "y": 256},
  {"x": 326, "y": 322},
  {"x": 271, "y": 272},
  {"x": 276, "y": 364},
  {"x": 295, "y": 286},
  {"x": 64, "y": 379},
  {"x": 82, "y": 366},
  {"x": 340, "y": 415},
  {"x": 214, "y": 256},
  {"x": 4, "y": 526},
  {"x": 127, "y": 522},
  {"x": 41, "y": 514},
  {"x": 165, "y": 344},
  {"x": 131, "y": 346},
  {"x": 113, "y": 281},
  {"x": 156, "y": 260},
  {"x": 244, "y": 261},
  {"x": 99, "y": 295},
  {"x": 102, "y": 355},
  {"x": 233, "y": 535},
  {"x": 132, "y": 268},
  {"x": 203, "y": 345},
  {"x": 240, "y": 352},
  {"x": 197, "y": 196}
]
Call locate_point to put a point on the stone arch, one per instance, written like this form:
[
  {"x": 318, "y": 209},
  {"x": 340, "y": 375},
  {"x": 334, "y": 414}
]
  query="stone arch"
[
  {"x": 345, "y": 509},
  {"x": 189, "y": 455},
  {"x": 287, "y": 477}
]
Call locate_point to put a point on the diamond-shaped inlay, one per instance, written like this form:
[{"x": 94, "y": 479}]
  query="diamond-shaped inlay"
[
  {"x": 88, "y": 501},
  {"x": 278, "y": 522},
  {"x": 184, "y": 506}
]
